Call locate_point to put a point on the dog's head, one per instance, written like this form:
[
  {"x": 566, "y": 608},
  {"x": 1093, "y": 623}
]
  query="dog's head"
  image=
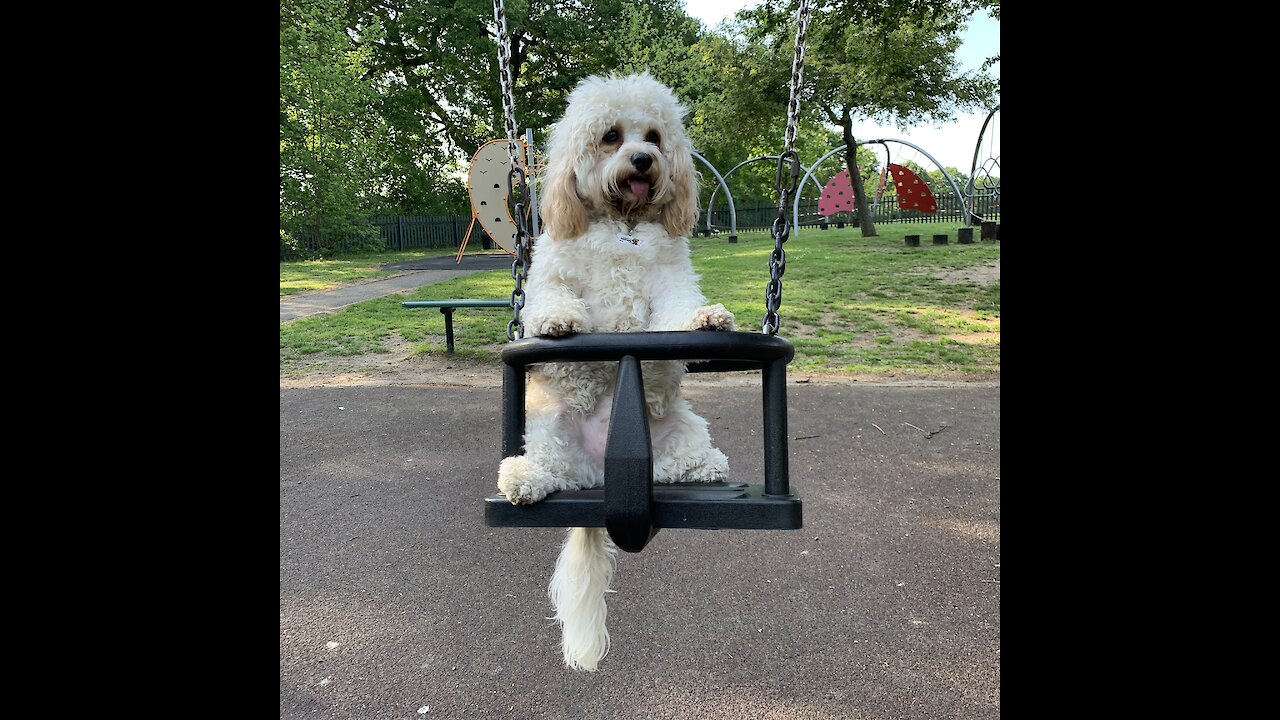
[{"x": 619, "y": 151}]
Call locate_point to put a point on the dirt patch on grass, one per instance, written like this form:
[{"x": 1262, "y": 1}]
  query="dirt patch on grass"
[
  {"x": 980, "y": 274},
  {"x": 398, "y": 366},
  {"x": 976, "y": 338}
]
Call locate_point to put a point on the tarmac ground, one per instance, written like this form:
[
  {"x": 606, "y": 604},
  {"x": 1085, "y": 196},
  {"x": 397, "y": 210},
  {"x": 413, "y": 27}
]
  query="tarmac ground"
[{"x": 394, "y": 595}]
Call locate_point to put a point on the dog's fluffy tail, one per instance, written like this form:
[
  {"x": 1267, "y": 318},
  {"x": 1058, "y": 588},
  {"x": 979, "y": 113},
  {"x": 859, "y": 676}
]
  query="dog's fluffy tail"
[{"x": 581, "y": 578}]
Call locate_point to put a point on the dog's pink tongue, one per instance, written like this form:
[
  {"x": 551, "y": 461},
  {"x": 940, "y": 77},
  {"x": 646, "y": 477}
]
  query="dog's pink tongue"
[{"x": 639, "y": 187}]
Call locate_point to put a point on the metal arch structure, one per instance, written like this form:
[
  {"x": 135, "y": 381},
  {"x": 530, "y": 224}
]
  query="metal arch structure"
[
  {"x": 733, "y": 211},
  {"x": 971, "y": 188},
  {"x": 712, "y": 201},
  {"x": 808, "y": 173}
]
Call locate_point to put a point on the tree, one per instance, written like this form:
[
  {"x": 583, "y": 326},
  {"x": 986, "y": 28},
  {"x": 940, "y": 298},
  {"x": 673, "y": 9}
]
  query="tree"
[
  {"x": 329, "y": 130},
  {"x": 736, "y": 113},
  {"x": 437, "y": 66},
  {"x": 443, "y": 57},
  {"x": 887, "y": 60},
  {"x": 737, "y": 91}
]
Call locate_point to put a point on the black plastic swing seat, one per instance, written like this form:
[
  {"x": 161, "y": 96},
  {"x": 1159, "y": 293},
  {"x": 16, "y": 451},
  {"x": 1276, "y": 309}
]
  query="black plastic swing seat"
[
  {"x": 630, "y": 504},
  {"x": 691, "y": 506}
]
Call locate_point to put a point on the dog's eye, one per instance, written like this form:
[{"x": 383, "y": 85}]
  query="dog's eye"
[
  {"x": 611, "y": 136},
  {"x": 652, "y": 136}
]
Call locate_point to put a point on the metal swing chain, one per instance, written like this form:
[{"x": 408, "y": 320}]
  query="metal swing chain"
[
  {"x": 781, "y": 225},
  {"x": 520, "y": 266}
]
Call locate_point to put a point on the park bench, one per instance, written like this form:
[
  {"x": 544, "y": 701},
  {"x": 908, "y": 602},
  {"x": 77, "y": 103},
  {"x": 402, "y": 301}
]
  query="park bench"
[{"x": 448, "y": 306}]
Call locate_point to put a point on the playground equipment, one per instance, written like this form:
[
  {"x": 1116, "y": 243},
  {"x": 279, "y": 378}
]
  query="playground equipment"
[
  {"x": 984, "y": 174},
  {"x": 809, "y": 172},
  {"x": 487, "y": 188},
  {"x": 733, "y": 213}
]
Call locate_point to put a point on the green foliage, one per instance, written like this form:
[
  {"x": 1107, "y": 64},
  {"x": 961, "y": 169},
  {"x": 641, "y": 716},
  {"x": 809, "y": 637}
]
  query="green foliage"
[
  {"x": 329, "y": 131},
  {"x": 439, "y": 60},
  {"x": 291, "y": 248},
  {"x": 737, "y": 113}
]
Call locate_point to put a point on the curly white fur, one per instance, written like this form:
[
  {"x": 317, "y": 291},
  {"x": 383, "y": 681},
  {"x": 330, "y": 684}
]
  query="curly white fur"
[{"x": 619, "y": 197}]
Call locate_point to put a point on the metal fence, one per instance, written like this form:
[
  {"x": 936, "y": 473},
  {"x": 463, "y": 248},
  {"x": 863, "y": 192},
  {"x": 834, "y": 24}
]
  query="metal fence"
[
  {"x": 759, "y": 217},
  {"x": 408, "y": 232},
  {"x": 398, "y": 232}
]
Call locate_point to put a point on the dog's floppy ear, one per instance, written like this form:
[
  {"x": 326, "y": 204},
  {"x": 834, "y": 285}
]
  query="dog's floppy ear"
[
  {"x": 562, "y": 209},
  {"x": 681, "y": 213}
]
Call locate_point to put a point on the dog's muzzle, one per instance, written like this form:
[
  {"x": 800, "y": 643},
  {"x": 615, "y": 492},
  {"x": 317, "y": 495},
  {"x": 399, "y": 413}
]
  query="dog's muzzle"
[{"x": 639, "y": 183}]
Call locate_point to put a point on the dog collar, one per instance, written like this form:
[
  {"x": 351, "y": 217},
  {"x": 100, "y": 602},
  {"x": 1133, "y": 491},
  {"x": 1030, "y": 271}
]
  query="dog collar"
[{"x": 630, "y": 235}]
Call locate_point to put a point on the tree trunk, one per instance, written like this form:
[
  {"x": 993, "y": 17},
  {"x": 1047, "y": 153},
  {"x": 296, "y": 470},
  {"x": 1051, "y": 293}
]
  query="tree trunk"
[{"x": 851, "y": 162}]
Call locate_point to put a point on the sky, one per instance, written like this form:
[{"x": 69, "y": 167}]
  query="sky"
[{"x": 952, "y": 143}]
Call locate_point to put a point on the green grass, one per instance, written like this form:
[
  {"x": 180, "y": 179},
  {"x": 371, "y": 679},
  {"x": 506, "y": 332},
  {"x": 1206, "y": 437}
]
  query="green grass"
[
  {"x": 307, "y": 275},
  {"x": 850, "y": 305}
]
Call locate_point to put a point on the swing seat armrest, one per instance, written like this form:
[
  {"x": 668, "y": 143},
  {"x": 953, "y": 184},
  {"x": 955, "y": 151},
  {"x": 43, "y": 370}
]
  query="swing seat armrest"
[{"x": 718, "y": 349}]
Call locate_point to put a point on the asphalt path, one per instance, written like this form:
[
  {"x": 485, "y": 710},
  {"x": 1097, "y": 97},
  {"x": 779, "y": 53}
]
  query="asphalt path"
[
  {"x": 396, "y": 601},
  {"x": 411, "y": 275}
]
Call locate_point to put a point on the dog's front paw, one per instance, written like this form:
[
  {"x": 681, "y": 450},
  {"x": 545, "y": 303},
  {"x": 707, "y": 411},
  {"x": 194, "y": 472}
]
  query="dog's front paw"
[
  {"x": 564, "y": 319},
  {"x": 558, "y": 327},
  {"x": 713, "y": 317},
  {"x": 518, "y": 479}
]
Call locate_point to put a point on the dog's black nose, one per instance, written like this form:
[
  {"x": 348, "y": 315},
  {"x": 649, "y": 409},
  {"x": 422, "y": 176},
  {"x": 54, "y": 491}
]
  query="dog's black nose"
[{"x": 641, "y": 161}]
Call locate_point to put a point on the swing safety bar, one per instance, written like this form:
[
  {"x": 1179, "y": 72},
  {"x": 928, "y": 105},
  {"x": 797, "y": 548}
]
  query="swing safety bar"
[{"x": 630, "y": 505}]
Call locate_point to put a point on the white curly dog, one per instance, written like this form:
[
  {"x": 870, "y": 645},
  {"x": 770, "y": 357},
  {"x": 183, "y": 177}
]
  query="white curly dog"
[{"x": 619, "y": 197}]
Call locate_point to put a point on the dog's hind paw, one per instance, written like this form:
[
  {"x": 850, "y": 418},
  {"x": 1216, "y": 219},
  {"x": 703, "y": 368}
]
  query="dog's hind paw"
[
  {"x": 516, "y": 480},
  {"x": 707, "y": 465},
  {"x": 524, "y": 494},
  {"x": 713, "y": 317}
]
